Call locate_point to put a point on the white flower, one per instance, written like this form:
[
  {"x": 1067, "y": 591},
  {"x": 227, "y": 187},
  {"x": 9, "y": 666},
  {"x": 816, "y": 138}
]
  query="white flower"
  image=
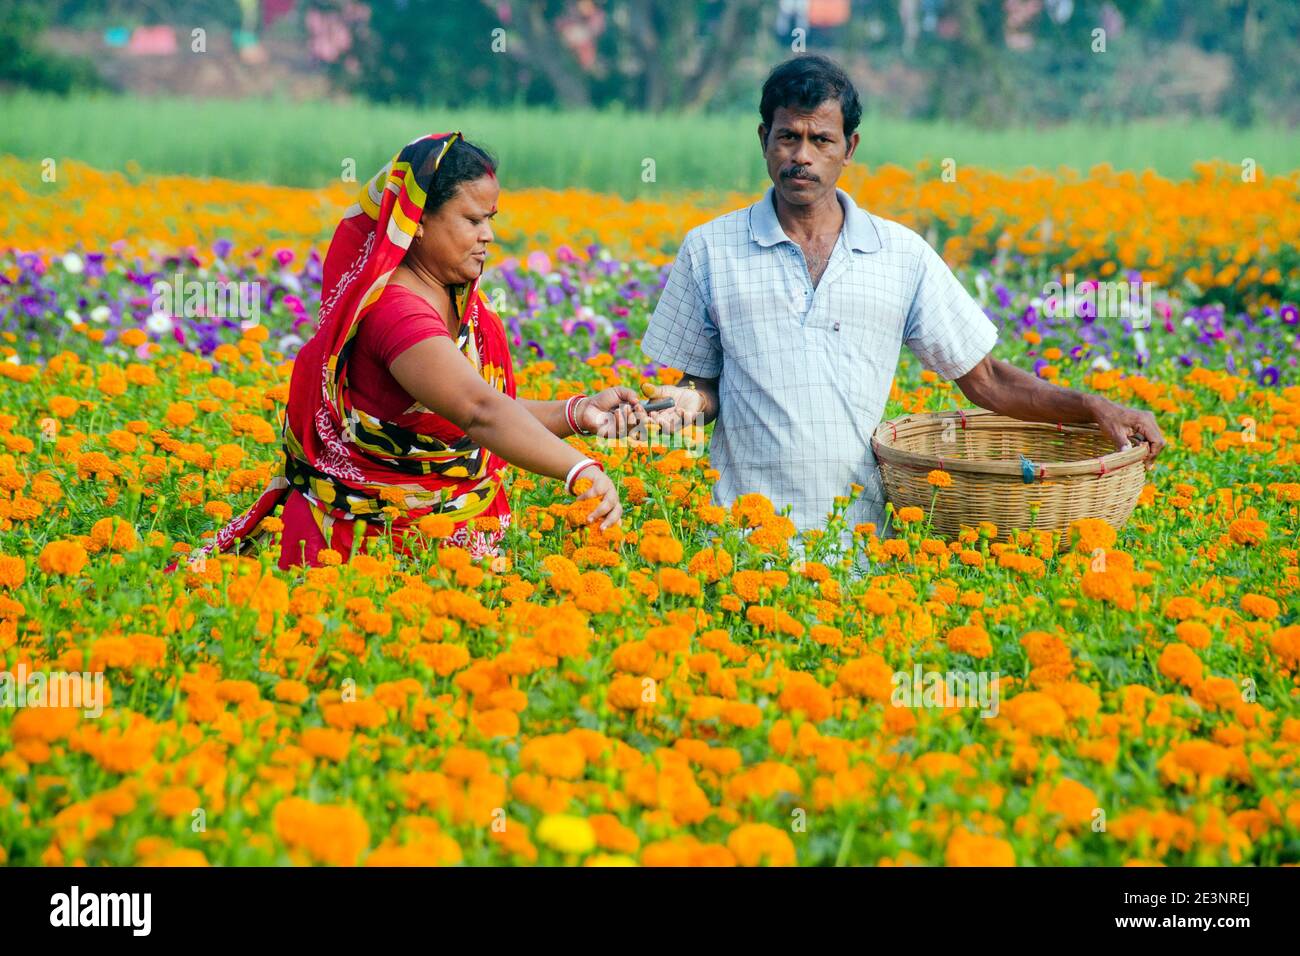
[
  {"x": 72, "y": 263},
  {"x": 159, "y": 323},
  {"x": 100, "y": 313},
  {"x": 290, "y": 282},
  {"x": 289, "y": 342},
  {"x": 73, "y": 316}
]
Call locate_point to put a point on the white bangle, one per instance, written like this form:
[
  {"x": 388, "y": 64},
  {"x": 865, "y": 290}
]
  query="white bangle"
[{"x": 573, "y": 473}]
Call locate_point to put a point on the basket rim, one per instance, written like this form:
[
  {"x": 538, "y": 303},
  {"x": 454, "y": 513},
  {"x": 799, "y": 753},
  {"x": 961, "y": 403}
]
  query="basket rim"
[{"x": 1107, "y": 464}]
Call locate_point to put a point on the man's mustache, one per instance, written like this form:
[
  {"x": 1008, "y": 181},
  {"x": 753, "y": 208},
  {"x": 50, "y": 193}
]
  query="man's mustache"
[{"x": 802, "y": 172}]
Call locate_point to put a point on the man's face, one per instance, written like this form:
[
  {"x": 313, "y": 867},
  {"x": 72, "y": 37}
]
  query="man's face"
[{"x": 806, "y": 152}]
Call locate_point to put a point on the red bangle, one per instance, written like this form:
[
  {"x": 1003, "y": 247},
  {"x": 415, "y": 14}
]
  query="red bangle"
[
  {"x": 578, "y": 470},
  {"x": 568, "y": 414}
]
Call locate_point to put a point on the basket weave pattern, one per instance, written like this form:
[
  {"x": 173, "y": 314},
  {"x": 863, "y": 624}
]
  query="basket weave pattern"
[{"x": 1077, "y": 473}]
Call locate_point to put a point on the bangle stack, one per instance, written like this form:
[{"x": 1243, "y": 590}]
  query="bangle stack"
[
  {"x": 570, "y": 414},
  {"x": 576, "y": 469}
]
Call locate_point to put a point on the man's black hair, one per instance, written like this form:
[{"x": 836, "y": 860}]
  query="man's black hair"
[{"x": 804, "y": 83}]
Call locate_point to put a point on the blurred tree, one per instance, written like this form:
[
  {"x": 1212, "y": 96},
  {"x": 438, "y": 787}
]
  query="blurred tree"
[
  {"x": 665, "y": 54},
  {"x": 25, "y": 63}
]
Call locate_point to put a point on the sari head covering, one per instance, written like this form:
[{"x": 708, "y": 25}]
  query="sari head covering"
[{"x": 346, "y": 462}]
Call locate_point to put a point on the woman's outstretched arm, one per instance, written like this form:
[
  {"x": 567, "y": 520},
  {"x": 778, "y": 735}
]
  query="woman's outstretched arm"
[{"x": 435, "y": 374}]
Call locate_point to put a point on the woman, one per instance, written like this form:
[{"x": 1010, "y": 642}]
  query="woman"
[{"x": 402, "y": 404}]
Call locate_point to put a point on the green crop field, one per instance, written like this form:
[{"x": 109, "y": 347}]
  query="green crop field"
[{"x": 307, "y": 144}]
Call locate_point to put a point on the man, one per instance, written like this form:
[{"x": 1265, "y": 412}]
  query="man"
[{"x": 787, "y": 319}]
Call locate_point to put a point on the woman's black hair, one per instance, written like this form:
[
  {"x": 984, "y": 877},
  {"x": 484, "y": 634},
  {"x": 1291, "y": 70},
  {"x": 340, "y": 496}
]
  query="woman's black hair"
[
  {"x": 463, "y": 163},
  {"x": 804, "y": 83}
]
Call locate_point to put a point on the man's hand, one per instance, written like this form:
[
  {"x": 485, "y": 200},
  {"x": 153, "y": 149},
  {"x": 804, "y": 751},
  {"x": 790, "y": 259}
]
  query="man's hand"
[
  {"x": 611, "y": 413},
  {"x": 1121, "y": 424},
  {"x": 1001, "y": 387},
  {"x": 688, "y": 406}
]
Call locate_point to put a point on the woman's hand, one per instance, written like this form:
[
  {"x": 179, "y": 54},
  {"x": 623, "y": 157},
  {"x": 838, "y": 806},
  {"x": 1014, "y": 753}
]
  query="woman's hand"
[
  {"x": 601, "y": 487},
  {"x": 611, "y": 413}
]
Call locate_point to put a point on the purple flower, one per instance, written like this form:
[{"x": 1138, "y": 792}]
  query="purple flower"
[
  {"x": 221, "y": 248},
  {"x": 1269, "y": 376},
  {"x": 1289, "y": 314}
]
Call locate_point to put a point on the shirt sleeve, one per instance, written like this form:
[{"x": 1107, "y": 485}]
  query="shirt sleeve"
[
  {"x": 946, "y": 328},
  {"x": 682, "y": 333},
  {"x": 399, "y": 326}
]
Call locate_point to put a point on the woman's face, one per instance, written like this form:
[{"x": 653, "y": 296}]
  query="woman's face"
[{"x": 454, "y": 241}]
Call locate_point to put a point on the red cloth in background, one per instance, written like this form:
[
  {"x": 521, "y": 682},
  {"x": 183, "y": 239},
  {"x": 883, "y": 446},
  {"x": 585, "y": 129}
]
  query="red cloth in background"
[{"x": 273, "y": 10}]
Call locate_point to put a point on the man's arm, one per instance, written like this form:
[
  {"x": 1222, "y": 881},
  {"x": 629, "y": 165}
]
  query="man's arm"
[
  {"x": 1002, "y": 388},
  {"x": 682, "y": 334}
]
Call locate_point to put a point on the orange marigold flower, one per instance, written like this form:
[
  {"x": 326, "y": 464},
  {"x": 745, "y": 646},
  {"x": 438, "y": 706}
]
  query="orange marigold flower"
[
  {"x": 64, "y": 407},
  {"x": 1260, "y": 606},
  {"x": 1193, "y": 634},
  {"x": 62, "y": 557},
  {"x": 323, "y": 833},
  {"x": 761, "y": 844},
  {"x": 1248, "y": 531},
  {"x": 180, "y": 414},
  {"x": 970, "y": 849},
  {"x": 291, "y": 691},
  {"x": 1073, "y": 801},
  {"x": 1178, "y": 662},
  {"x": 939, "y": 478},
  {"x": 436, "y": 526},
  {"x": 630, "y": 693},
  {"x": 660, "y": 549},
  {"x": 1036, "y": 713},
  {"x": 970, "y": 639},
  {"x": 13, "y": 571},
  {"x": 1089, "y": 534},
  {"x": 114, "y": 533},
  {"x": 1285, "y": 643}
]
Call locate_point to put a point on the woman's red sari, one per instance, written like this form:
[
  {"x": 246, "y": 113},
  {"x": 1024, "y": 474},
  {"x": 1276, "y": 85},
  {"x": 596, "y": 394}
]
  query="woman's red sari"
[{"x": 348, "y": 465}]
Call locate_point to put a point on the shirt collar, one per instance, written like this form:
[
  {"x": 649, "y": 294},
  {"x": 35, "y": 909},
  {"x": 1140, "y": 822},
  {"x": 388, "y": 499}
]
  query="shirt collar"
[{"x": 859, "y": 231}]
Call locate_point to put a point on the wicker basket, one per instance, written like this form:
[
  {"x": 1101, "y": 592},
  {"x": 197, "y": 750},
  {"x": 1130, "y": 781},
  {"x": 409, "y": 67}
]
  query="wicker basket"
[{"x": 1001, "y": 466}]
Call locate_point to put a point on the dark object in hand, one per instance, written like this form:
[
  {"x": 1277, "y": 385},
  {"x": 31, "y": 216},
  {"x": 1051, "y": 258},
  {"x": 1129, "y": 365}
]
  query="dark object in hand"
[{"x": 659, "y": 404}]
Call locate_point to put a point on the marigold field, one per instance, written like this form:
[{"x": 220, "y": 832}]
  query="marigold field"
[{"x": 691, "y": 688}]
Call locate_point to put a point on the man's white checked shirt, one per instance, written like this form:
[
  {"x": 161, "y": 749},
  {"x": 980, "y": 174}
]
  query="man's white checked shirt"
[{"x": 804, "y": 372}]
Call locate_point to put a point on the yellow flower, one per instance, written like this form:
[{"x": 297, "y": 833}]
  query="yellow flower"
[{"x": 567, "y": 833}]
